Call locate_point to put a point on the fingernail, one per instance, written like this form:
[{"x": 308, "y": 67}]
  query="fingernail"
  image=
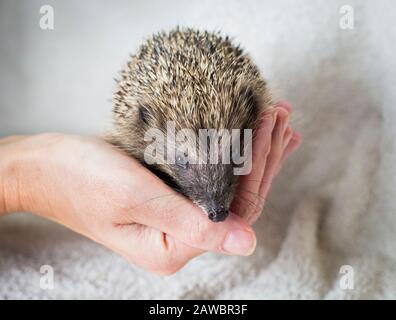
[{"x": 239, "y": 242}]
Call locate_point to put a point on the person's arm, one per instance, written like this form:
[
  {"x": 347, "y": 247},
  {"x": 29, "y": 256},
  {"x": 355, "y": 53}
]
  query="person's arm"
[
  {"x": 9, "y": 197},
  {"x": 96, "y": 190},
  {"x": 25, "y": 184}
]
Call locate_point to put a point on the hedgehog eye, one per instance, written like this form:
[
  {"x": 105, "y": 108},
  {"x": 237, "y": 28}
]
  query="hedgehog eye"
[{"x": 182, "y": 160}]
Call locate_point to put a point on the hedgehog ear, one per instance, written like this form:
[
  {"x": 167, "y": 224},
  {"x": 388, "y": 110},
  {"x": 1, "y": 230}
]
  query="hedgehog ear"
[{"x": 143, "y": 114}]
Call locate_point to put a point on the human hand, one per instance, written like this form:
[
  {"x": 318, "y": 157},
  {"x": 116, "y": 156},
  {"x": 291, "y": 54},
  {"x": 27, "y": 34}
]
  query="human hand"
[
  {"x": 95, "y": 189},
  {"x": 273, "y": 143},
  {"x": 98, "y": 191}
]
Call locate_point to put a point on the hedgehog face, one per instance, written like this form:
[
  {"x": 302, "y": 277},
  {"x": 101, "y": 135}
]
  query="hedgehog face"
[
  {"x": 200, "y": 171},
  {"x": 198, "y": 163},
  {"x": 209, "y": 186}
]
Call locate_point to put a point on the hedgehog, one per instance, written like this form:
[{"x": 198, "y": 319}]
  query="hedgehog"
[{"x": 196, "y": 80}]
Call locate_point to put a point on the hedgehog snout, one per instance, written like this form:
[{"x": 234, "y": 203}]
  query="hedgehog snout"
[{"x": 218, "y": 213}]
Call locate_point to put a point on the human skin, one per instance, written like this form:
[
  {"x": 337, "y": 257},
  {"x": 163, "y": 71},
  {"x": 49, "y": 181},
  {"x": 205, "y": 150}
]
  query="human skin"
[{"x": 98, "y": 191}]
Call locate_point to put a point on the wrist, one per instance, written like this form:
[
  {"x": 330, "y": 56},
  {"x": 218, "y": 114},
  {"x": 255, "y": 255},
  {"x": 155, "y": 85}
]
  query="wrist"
[
  {"x": 9, "y": 175},
  {"x": 23, "y": 173}
]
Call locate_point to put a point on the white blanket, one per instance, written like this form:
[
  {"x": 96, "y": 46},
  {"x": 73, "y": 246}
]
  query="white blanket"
[{"x": 331, "y": 210}]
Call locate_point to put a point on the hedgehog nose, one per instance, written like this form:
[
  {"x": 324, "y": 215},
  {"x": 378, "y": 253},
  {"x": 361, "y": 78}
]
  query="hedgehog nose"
[{"x": 218, "y": 214}]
